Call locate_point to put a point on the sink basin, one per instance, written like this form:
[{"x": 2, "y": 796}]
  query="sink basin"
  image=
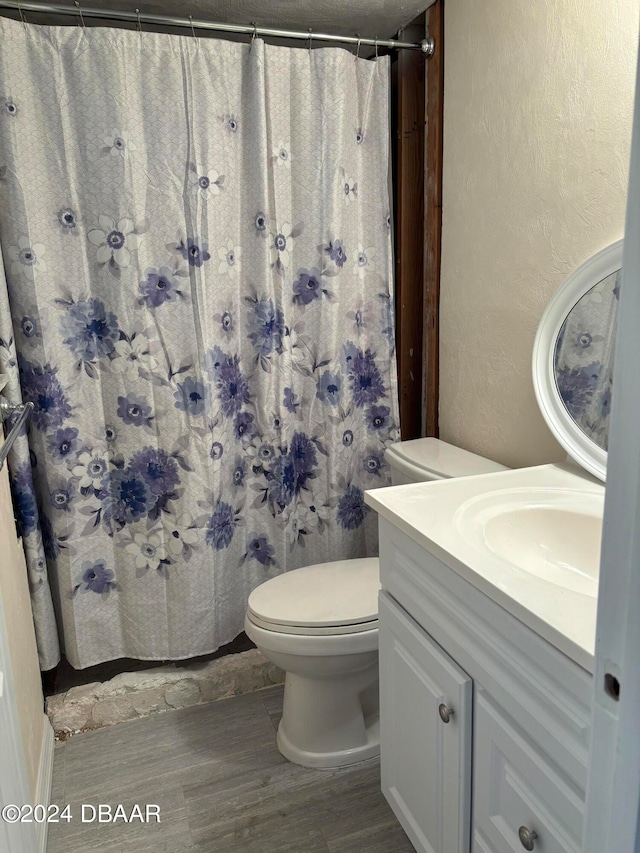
[{"x": 553, "y": 534}]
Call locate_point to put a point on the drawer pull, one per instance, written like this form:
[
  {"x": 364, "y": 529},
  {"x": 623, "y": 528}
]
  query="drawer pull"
[
  {"x": 527, "y": 837},
  {"x": 445, "y": 713}
]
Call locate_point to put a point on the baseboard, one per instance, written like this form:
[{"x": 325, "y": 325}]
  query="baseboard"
[{"x": 45, "y": 775}]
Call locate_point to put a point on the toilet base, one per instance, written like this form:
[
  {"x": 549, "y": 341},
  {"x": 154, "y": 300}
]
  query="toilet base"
[
  {"x": 332, "y": 722},
  {"x": 332, "y": 760}
]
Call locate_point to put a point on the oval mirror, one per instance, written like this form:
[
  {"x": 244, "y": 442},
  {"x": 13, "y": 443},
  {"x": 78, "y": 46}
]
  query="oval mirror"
[{"x": 573, "y": 359}]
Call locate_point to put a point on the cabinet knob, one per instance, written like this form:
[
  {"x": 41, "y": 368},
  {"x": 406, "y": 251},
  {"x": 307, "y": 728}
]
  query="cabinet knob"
[
  {"x": 445, "y": 713},
  {"x": 527, "y": 837}
]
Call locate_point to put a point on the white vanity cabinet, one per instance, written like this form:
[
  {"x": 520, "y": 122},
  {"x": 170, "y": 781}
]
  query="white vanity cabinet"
[{"x": 484, "y": 724}]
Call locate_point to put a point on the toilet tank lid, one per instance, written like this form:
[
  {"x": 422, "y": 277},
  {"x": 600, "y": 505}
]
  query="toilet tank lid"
[
  {"x": 344, "y": 592},
  {"x": 442, "y": 460}
]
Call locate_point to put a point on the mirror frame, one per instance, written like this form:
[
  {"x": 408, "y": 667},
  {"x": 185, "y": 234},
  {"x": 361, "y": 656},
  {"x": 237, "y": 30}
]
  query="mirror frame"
[{"x": 578, "y": 445}]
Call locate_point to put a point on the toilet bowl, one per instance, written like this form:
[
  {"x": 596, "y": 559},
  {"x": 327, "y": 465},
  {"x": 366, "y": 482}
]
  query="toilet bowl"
[{"x": 320, "y": 625}]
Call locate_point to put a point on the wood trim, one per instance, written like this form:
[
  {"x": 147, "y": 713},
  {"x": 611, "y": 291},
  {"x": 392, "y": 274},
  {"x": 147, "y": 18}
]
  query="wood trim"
[
  {"x": 409, "y": 79},
  {"x": 434, "y": 99}
]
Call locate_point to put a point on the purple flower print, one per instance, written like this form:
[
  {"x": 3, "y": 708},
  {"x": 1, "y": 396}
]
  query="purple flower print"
[
  {"x": 337, "y": 252},
  {"x": 577, "y": 386},
  {"x": 329, "y": 388},
  {"x": 192, "y": 397},
  {"x": 366, "y": 383},
  {"x": 281, "y": 480},
  {"x": 24, "y": 500},
  {"x": 221, "y": 526},
  {"x": 126, "y": 497},
  {"x": 307, "y": 286},
  {"x": 134, "y": 411},
  {"x": 239, "y": 472},
  {"x": 63, "y": 444},
  {"x": 68, "y": 220},
  {"x": 158, "y": 469},
  {"x": 352, "y": 509},
  {"x": 89, "y": 329},
  {"x": 258, "y": 548},
  {"x": 61, "y": 499},
  {"x": 216, "y": 451},
  {"x": 291, "y": 401},
  {"x": 243, "y": 425},
  {"x": 233, "y": 390},
  {"x": 378, "y": 418},
  {"x": 41, "y": 386},
  {"x": 303, "y": 453},
  {"x": 158, "y": 287},
  {"x": 289, "y": 473},
  {"x": 30, "y": 327},
  {"x": 372, "y": 463},
  {"x": 96, "y": 577},
  {"x": 266, "y": 327},
  {"x": 194, "y": 251},
  {"x": 260, "y": 223}
]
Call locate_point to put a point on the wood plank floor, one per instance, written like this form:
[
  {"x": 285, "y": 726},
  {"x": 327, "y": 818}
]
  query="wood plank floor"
[{"x": 221, "y": 785}]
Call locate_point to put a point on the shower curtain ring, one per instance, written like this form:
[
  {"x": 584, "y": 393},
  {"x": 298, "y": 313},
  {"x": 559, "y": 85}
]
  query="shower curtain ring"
[
  {"x": 253, "y": 34},
  {"x": 139, "y": 24},
  {"x": 310, "y": 39},
  {"x": 193, "y": 32},
  {"x": 376, "y": 46},
  {"x": 358, "y": 46}
]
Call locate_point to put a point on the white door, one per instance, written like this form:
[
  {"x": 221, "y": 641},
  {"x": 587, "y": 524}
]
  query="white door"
[
  {"x": 613, "y": 793},
  {"x": 425, "y": 726},
  {"x": 14, "y": 784}
]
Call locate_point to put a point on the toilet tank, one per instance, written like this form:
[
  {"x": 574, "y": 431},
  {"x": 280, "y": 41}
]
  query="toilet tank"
[{"x": 424, "y": 459}]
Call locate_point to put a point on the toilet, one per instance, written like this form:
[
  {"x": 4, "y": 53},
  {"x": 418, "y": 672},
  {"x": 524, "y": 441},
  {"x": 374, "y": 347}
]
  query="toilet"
[{"x": 320, "y": 625}]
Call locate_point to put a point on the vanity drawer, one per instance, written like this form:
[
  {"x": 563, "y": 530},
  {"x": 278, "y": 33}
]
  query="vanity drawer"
[{"x": 515, "y": 787}]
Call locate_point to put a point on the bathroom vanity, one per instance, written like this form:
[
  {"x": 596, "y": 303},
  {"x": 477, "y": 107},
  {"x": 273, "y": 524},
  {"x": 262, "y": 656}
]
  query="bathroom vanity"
[{"x": 485, "y": 668}]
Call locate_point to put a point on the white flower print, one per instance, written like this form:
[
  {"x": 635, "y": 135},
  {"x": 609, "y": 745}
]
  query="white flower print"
[
  {"x": 229, "y": 258},
  {"x": 181, "y": 535},
  {"x": 26, "y": 258},
  {"x": 349, "y": 186},
  {"x": 133, "y": 357},
  {"x": 294, "y": 517},
  {"x": 364, "y": 260},
  {"x": 206, "y": 184},
  {"x": 147, "y": 549},
  {"x": 91, "y": 468},
  {"x": 282, "y": 245},
  {"x": 114, "y": 241},
  {"x": 362, "y": 317},
  {"x": 118, "y": 144},
  {"x": 315, "y": 510},
  {"x": 296, "y": 347},
  {"x": 282, "y": 155}
]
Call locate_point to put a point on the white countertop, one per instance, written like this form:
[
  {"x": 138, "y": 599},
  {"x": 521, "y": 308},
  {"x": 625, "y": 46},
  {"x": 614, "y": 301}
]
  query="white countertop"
[{"x": 426, "y": 512}]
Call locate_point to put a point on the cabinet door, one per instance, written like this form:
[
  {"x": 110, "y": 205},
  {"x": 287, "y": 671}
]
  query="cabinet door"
[
  {"x": 425, "y": 762},
  {"x": 520, "y": 800}
]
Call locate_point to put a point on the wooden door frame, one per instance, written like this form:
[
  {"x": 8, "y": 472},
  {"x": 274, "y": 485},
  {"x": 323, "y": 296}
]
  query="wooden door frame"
[{"x": 417, "y": 93}]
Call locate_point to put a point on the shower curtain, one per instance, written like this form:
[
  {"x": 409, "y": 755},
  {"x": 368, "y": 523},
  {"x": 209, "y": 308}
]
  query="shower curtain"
[{"x": 196, "y": 297}]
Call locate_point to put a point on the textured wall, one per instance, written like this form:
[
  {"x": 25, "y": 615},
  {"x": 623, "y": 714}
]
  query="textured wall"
[{"x": 537, "y": 131}]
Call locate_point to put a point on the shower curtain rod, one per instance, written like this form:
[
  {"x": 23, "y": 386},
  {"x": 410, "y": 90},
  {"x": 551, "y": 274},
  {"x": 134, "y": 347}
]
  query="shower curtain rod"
[{"x": 427, "y": 45}]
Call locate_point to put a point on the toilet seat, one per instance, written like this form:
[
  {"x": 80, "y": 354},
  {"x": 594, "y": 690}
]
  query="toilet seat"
[{"x": 334, "y": 598}]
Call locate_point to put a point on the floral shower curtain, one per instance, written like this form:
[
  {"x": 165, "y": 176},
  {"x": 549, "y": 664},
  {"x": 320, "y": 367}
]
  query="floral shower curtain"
[{"x": 195, "y": 239}]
